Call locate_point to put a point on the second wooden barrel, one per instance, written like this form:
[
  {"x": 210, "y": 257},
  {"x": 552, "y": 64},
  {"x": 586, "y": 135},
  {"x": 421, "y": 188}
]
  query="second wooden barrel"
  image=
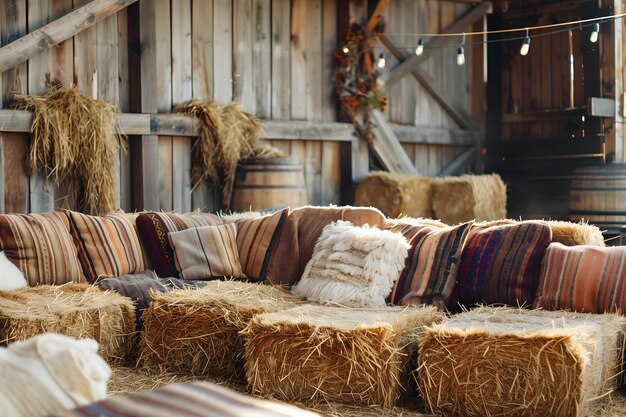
[
  {"x": 598, "y": 195},
  {"x": 266, "y": 183}
]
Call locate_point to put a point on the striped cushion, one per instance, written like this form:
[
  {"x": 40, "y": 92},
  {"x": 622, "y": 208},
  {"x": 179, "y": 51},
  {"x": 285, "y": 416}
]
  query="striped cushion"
[
  {"x": 153, "y": 228},
  {"x": 198, "y": 399},
  {"x": 255, "y": 240},
  {"x": 205, "y": 252},
  {"x": 585, "y": 278},
  {"x": 108, "y": 246},
  {"x": 500, "y": 264},
  {"x": 431, "y": 267},
  {"x": 41, "y": 246}
]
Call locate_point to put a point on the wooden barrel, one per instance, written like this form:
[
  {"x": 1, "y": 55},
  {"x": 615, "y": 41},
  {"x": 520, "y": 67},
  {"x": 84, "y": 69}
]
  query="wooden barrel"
[
  {"x": 266, "y": 183},
  {"x": 598, "y": 195}
]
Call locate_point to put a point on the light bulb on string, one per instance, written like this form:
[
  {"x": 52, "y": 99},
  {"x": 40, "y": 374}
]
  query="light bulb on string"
[
  {"x": 526, "y": 45},
  {"x": 460, "y": 53},
  {"x": 346, "y": 49},
  {"x": 420, "y": 48},
  {"x": 381, "y": 60},
  {"x": 594, "y": 33}
]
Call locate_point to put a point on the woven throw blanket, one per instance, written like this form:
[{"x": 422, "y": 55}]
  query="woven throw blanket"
[
  {"x": 137, "y": 287},
  {"x": 197, "y": 399}
]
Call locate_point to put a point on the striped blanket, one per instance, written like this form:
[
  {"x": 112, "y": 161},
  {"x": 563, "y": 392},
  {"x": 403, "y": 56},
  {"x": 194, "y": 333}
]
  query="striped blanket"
[{"x": 196, "y": 399}]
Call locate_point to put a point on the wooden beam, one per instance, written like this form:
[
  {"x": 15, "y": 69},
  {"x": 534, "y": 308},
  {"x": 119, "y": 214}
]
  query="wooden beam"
[
  {"x": 57, "y": 31},
  {"x": 458, "y": 164},
  {"x": 377, "y": 14},
  {"x": 387, "y": 147},
  {"x": 461, "y": 23},
  {"x": 459, "y": 115}
]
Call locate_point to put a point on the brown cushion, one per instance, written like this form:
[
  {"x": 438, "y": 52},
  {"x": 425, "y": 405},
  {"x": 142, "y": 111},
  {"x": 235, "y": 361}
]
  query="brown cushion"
[
  {"x": 302, "y": 228},
  {"x": 108, "y": 246},
  {"x": 153, "y": 228},
  {"x": 41, "y": 246},
  {"x": 207, "y": 252}
]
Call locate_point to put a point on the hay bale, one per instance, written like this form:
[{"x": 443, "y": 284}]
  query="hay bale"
[
  {"x": 315, "y": 353},
  {"x": 469, "y": 197},
  {"x": 196, "y": 331},
  {"x": 77, "y": 310},
  {"x": 505, "y": 361},
  {"x": 395, "y": 194},
  {"x": 571, "y": 234}
]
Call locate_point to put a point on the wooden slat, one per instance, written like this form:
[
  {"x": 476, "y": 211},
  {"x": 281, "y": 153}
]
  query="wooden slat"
[
  {"x": 262, "y": 58},
  {"x": 467, "y": 19},
  {"x": 281, "y": 59},
  {"x": 388, "y": 148},
  {"x": 459, "y": 163},
  {"x": 55, "y": 32},
  {"x": 124, "y": 104},
  {"x": 222, "y": 41},
  {"x": 243, "y": 68}
]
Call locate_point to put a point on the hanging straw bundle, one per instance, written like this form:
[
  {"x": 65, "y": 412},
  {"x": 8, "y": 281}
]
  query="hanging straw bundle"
[
  {"x": 227, "y": 135},
  {"x": 75, "y": 136}
]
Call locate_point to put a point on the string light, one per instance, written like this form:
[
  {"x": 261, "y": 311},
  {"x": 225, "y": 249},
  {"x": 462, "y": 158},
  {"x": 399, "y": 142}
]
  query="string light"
[
  {"x": 345, "y": 49},
  {"x": 381, "y": 60},
  {"x": 420, "y": 48},
  {"x": 460, "y": 53},
  {"x": 525, "y": 45},
  {"x": 594, "y": 33}
]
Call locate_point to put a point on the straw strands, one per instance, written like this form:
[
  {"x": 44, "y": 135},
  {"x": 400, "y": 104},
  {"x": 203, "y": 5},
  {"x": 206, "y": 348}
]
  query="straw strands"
[
  {"x": 227, "y": 135},
  {"x": 75, "y": 137},
  {"x": 77, "y": 310},
  {"x": 469, "y": 197},
  {"x": 515, "y": 362},
  {"x": 571, "y": 234},
  {"x": 396, "y": 194},
  {"x": 196, "y": 331},
  {"x": 316, "y": 353}
]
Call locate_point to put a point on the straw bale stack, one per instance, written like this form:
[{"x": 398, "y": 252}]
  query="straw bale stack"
[
  {"x": 516, "y": 362},
  {"x": 395, "y": 194},
  {"x": 195, "y": 331},
  {"x": 315, "y": 353},
  {"x": 77, "y": 310},
  {"x": 469, "y": 197}
]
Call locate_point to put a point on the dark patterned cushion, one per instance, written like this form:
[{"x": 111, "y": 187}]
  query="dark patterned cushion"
[{"x": 500, "y": 264}]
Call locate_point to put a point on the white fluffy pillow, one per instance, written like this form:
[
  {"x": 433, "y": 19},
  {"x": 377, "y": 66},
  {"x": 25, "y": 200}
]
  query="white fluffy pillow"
[
  {"x": 353, "y": 265},
  {"x": 11, "y": 277}
]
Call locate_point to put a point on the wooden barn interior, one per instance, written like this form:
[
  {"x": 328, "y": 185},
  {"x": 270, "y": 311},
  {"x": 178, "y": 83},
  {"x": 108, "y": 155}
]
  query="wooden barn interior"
[{"x": 539, "y": 120}]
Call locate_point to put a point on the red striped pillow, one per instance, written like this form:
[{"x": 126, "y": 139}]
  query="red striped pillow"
[
  {"x": 500, "y": 264},
  {"x": 430, "y": 270},
  {"x": 255, "y": 240},
  {"x": 41, "y": 246},
  {"x": 108, "y": 246},
  {"x": 584, "y": 278},
  {"x": 153, "y": 228},
  {"x": 207, "y": 252}
]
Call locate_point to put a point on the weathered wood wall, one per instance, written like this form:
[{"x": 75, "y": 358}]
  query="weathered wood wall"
[{"x": 273, "y": 56}]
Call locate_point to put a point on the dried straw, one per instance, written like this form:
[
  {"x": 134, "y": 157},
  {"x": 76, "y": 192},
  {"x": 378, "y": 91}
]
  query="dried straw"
[
  {"x": 227, "y": 135},
  {"x": 318, "y": 353},
  {"x": 469, "y": 197},
  {"x": 505, "y": 361},
  {"x": 77, "y": 310},
  {"x": 396, "y": 194},
  {"x": 196, "y": 331},
  {"x": 75, "y": 137},
  {"x": 571, "y": 234}
]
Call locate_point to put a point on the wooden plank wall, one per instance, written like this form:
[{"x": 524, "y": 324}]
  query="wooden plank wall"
[
  {"x": 273, "y": 56},
  {"x": 409, "y": 103}
]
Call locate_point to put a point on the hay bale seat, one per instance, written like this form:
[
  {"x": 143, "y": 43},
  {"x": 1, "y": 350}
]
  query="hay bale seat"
[
  {"x": 395, "y": 194},
  {"x": 514, "y": 362},
  {"x": 77, "y": 310},
  {"x": 195, "y": 331},
  {"x": 469, "y": 197},
  {"x": 336, "y": 354}
]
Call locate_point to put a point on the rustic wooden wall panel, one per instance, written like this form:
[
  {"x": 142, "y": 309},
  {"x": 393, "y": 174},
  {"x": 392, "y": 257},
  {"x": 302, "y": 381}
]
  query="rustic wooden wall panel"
[{"x": 274, "y": 56}]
